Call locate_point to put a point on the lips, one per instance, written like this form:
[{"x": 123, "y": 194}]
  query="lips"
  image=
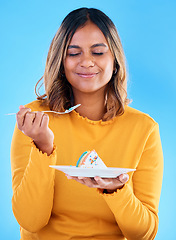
[{"x": 87, "y": 75}]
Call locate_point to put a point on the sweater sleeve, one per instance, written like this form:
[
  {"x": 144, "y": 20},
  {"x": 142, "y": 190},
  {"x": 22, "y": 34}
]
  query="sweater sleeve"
[
  {"x": 135, "y": 206},
  {"x": 32, "y": 183}
]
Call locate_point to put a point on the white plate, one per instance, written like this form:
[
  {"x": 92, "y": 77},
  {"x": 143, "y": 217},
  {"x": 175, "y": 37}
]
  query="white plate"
[{"x": 92, "y": 172}]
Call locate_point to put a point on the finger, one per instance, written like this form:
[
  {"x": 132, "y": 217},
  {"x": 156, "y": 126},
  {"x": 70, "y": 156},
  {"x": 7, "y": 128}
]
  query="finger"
[
  {"x": 68, "y": 176},
  {"x": 102, "y": 183},
  {"x": 21, "y": 107},
  {"x": 38, "y": 119},
  {"x": 109, "y": 183},
  {"x": 45, "y": 121},
  {"x": 29, "y": 119},
  {"x": 90, "y": 182},
  {"x": 20, "y": 116},
  {"x": 123, "y": 178},
  {"x": 74, "y": 178},
  {"x": 71, "y": 177}
]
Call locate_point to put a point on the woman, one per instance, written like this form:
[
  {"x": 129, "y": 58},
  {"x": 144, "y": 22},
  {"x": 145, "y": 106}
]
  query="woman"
[{"x": 85, "y": 65}]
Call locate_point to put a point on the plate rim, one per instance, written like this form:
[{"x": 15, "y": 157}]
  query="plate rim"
[{"x": 107, "y": 174}]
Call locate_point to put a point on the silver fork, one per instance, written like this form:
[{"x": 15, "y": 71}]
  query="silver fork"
[{"x": 66, "y": 111}]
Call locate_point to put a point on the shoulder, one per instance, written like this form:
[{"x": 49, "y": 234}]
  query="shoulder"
[
  {"x": 136, "y": 114},
  {"x": 37, "y": 105},
  {"x": 138, "y": 119}
]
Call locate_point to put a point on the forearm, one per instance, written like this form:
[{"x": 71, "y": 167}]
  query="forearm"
[
  {"x": 135, "y": 220},
  {"x": 135, "y": 206},
  {"x": 33, "y": 197}
]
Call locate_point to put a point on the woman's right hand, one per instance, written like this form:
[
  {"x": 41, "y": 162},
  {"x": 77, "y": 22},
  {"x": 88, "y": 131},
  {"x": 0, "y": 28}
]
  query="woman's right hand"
[{"x": 35, "y": 126}]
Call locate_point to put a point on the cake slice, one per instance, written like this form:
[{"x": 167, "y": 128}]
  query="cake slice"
[{"x": 90, "y": 159}]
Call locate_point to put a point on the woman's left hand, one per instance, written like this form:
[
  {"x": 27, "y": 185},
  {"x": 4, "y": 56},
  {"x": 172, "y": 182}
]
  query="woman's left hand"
[{"x": 110, "y": 184}]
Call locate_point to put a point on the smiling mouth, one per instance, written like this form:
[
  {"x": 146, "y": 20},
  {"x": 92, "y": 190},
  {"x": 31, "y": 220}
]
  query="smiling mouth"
[{"x": 87, "y": 75}]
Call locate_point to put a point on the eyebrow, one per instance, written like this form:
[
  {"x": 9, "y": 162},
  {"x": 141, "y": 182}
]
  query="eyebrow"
[{"x": 93, "y": 46}]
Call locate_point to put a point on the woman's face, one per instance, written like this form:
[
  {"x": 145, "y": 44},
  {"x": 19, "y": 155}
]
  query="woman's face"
[{"x": 89, "y": 62}]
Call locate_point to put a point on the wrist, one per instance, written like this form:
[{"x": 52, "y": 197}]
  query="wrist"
[
  {"x": 45, "y": 148},
  {"x": 110, "y": 191}
]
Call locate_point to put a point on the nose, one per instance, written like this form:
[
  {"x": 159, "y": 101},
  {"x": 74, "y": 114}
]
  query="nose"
[{"x": 87, "y": 60}]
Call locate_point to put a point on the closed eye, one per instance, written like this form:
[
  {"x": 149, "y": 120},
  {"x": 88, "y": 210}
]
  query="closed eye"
[
  {"x": 73, "y": 54},
  {"x": 98, "y": 53},
  {"x": 76, "y": 54}
]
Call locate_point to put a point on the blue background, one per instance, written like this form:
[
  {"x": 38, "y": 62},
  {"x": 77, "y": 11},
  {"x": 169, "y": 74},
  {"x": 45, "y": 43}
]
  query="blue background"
[{"x": 148, "y": 33}]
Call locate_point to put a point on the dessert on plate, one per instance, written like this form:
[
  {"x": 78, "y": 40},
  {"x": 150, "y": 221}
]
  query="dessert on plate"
[{"x": 90, "y": 159}]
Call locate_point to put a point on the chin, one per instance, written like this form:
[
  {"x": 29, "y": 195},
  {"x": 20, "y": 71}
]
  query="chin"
[{"x": 91, "y": 90}]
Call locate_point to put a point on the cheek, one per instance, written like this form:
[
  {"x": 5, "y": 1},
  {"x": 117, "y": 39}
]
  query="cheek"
[
  {"x": 108, "y": 67},
  {"x": 68, "y": 66}
]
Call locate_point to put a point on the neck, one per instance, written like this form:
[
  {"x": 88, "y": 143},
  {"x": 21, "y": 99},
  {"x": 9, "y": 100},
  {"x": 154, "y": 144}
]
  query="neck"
[{"x": 92, "y": 105}]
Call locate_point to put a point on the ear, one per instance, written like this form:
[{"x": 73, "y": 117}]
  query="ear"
[
  {"x": 115, "y": 71},
  {"x": 116, "y": 67}
]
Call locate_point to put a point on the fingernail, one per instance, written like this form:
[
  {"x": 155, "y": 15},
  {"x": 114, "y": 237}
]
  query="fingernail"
[
  {"x": 68, "y": 177},
  {"x": 21, "y": 106},
  {"x": 125, "y": 177},
  {"x": 97, "y": 178},
  {"x": 80, "y": 178}
]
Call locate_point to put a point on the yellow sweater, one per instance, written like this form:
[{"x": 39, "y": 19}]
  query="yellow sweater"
[{"x": 49, "y": 206}]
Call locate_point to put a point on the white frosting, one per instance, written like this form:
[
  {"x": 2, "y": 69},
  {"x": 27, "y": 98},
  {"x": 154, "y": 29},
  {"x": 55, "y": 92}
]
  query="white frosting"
[{"x": 92, "y": 160}]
